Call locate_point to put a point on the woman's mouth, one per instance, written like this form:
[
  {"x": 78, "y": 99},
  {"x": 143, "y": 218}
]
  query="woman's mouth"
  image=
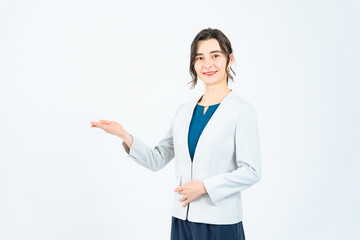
[{"x": 210, "y": 73}]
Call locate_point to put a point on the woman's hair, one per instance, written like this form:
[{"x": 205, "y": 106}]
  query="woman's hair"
[{"x": 225, "y": 46}]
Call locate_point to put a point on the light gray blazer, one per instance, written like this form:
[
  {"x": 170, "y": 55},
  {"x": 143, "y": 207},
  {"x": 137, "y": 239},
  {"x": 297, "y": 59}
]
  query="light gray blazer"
[{"x": 227, "y": 159}]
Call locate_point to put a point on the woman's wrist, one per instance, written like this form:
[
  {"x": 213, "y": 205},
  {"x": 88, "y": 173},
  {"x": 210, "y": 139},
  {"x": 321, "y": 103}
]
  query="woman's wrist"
[
  {"x": 203, "y": 188},
  {"x": 128, "y": 139}
]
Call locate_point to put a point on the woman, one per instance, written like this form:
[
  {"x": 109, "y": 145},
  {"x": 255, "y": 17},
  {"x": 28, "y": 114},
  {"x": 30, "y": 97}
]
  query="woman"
[{"x": 222, "y": 128}]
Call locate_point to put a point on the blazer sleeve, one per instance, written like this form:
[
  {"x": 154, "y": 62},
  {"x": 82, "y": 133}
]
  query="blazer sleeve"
[
  {"x": 247, "y": 152},
  {"x": 153, "y": 158}
]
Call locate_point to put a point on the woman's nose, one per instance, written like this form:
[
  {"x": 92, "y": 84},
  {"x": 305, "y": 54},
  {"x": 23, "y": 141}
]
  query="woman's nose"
[{"x": 208, "y": 63}]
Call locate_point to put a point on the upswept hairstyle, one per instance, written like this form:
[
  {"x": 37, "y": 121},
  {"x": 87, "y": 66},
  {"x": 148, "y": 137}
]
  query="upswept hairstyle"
[{"x": 225, "y": 47}]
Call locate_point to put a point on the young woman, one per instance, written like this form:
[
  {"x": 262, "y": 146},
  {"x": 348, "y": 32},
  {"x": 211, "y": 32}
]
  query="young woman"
[{"x": 214, "y": 141}]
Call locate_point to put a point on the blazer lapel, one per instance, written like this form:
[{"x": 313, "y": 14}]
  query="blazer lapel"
[{"x": 210, "y": 126}]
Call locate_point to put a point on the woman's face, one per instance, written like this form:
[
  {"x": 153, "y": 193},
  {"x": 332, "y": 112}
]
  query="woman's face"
[{"x": 210, "y": 62}]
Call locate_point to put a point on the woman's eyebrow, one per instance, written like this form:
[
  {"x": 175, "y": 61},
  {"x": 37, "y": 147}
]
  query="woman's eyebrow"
[{"x": 215, "y": 51}]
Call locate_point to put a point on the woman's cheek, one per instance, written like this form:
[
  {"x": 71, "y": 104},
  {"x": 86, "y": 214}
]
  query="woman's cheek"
[
  {"x": 220, "y": 65},
  {"x": 197, "y": 68}
]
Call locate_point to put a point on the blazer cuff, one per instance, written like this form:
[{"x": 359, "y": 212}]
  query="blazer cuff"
[
  {"x": 210, "y": 184},
  {"x": 135, "y": 150}
]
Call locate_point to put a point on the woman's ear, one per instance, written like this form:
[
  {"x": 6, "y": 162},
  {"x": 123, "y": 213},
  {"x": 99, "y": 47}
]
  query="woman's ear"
[{"x": 231, "y": 60}]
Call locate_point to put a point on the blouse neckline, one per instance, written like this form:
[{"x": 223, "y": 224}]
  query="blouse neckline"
[{"x": 209, "y": 105}]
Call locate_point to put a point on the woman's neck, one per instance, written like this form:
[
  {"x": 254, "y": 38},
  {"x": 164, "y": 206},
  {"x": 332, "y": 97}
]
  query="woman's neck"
[{"x": 213, "y": 96}]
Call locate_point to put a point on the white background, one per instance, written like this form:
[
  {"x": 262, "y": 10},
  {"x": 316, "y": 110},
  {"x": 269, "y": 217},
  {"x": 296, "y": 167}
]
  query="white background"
[{"x": 64, "y": 64}]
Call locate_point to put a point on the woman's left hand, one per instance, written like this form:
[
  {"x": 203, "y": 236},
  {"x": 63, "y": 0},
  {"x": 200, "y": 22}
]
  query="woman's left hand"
[{"x": 191, "y": 191}]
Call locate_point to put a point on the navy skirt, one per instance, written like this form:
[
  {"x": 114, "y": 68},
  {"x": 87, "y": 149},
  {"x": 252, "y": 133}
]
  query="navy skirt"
[{"x": 185, "y": 230}]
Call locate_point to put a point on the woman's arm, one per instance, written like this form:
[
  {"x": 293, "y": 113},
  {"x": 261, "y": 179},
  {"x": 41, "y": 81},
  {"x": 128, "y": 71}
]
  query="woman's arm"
[
  {"x": 152, "y": 158},
  {"x": 247, "y": 149}
]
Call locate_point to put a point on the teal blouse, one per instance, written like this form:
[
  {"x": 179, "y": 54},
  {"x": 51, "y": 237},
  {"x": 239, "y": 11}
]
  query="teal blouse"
[{"x": 197, "y": 125}]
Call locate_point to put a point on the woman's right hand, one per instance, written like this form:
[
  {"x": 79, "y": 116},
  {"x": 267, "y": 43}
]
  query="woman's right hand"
[{"x": 111, "y": 127}]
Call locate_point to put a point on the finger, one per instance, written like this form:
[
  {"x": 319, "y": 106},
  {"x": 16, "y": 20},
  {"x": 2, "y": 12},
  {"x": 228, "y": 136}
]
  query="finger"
[
  {"x": 184, "y": 205},
  {"x": 94, "y": 124},
  {"x": 182, "y": 199},
  {"x": 104, "y": 121},
  {"x": 99, "y": 125}
]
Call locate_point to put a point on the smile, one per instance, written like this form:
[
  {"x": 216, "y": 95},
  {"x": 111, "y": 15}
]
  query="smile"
[{"x": 210, "y": 73}]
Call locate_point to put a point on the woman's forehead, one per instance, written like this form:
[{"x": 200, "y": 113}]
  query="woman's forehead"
[{"x": 206, "y": 46}]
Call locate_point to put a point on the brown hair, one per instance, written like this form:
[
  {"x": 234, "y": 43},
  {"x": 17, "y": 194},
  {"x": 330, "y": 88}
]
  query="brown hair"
[{"x": 225, "y": 47}]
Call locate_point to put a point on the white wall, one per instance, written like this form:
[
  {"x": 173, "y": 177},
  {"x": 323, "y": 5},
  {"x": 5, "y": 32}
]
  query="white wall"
[{"x": 64, "y": 64}]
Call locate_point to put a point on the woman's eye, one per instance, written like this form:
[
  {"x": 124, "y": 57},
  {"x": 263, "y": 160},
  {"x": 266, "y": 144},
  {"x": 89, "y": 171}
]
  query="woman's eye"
[
  {"x": 216, "y": 55},
  {"x": 198, "y": 58}
]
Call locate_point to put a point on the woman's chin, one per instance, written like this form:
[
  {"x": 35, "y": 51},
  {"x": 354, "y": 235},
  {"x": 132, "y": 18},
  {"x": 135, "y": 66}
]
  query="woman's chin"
[{"x": 210, "y": 81}]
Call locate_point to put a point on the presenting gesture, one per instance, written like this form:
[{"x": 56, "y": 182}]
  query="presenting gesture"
[{"x": 114, "y": 128}]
